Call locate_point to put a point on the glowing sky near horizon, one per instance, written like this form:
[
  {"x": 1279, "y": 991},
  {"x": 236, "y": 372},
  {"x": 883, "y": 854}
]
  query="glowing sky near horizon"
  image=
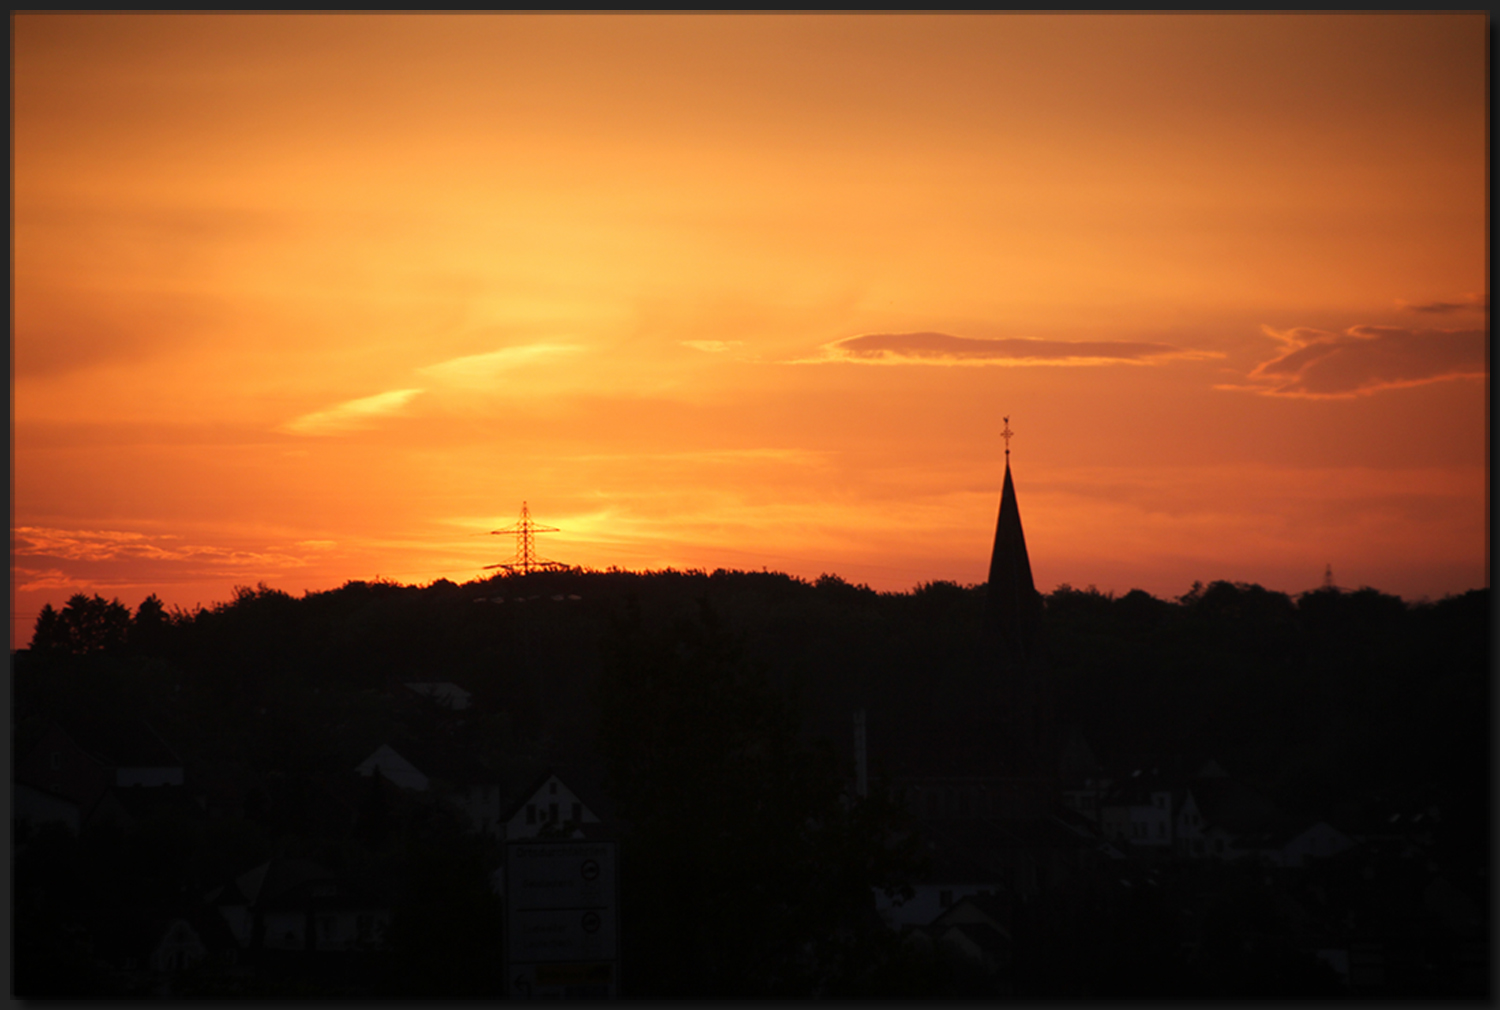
[{"x": 305, "y": 299}]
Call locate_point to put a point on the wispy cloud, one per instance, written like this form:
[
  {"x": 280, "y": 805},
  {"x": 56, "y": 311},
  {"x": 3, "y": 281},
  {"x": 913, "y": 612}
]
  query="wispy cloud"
[
  {"x": 33, "y": 579},
  {"x": 89, "y": 545},
  {"x": 946, "y": 349},
  {"x": 713, "y": 346},
  {"x": 350, "y": 415},
  {"x": 485, "y": 369},
  {"x": 118, "y": 545},
  {"x": 1317, "y": 364},
  {"x": 1469, "y": 303}
]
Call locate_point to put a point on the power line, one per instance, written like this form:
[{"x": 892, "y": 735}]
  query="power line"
[{"x": 526, "y": 559}]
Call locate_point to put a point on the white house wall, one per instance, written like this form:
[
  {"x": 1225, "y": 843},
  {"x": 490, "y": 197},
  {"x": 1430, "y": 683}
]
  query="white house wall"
[
  {"x": 553, "y": 803},
  {"x": 340, "y": 930},
  {"x": 179, "y": 948}
]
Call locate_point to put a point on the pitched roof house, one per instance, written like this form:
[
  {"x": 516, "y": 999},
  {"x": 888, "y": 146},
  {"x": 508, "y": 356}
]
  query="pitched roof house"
[{"x": 548, "y": 804}]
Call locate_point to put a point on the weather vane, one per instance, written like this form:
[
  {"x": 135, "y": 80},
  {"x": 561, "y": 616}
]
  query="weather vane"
[{"x": 1006, "y": 434}]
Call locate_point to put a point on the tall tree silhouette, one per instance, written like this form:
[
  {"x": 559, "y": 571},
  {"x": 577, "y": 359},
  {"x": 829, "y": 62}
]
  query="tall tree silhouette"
[{"x": 85, "y": 625}]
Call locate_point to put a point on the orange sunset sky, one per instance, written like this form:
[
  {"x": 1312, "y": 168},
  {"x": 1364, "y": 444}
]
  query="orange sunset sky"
[{"x": 305, "y": 299}]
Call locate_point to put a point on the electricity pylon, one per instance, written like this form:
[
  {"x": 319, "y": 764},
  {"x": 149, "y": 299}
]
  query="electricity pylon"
[{"x": 526, "y": 559}]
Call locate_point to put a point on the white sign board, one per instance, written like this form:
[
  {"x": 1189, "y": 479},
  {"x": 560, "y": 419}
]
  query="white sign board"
[{"x": 562, "y": 931}]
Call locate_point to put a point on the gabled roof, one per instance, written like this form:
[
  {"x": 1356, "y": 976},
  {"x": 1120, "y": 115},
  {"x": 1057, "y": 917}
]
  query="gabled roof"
[
  {"x": 985, "y": 907},
  {"x": 228, "y": 894},
  {"x": 393, "y": 767},
  {"x": 445, "y": 693},
  {"x": 535, "y": 787}
]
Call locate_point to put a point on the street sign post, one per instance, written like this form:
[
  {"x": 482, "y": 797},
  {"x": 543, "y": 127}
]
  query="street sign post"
[{"x": 561, "y": 919}]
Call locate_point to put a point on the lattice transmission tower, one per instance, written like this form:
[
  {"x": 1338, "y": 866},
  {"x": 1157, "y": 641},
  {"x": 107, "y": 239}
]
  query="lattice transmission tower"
[{"x": 526, "y": 559}]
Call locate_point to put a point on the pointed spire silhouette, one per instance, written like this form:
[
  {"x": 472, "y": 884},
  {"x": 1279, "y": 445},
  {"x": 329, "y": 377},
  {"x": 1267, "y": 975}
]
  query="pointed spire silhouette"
[
  {"x": 1012, "y": 603},
  {"x": 1016, "y": 644}
]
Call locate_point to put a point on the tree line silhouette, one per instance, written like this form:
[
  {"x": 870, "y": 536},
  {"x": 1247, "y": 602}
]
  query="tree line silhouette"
[{"x": 716, "y": 707}]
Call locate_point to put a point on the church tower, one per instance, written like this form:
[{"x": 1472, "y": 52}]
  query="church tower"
[
  {"x": 1012, "y": 605},
  {"x": 984, "y": 746},
  {"x": 1014, "y": 643}
]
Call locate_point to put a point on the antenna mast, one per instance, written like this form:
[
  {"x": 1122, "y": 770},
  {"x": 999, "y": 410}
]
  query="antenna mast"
[{"x": 526, "y": 560}]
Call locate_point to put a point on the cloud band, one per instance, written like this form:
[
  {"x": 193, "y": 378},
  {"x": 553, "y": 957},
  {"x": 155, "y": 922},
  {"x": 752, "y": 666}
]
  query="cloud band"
[
  {"x": 1317, "y": 364},
  {"x": 946, "y": 349}
]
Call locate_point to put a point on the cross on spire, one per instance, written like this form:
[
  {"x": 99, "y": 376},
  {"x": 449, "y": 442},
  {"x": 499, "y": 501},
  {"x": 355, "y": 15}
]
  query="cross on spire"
[{"x": 1006, "y": 434}]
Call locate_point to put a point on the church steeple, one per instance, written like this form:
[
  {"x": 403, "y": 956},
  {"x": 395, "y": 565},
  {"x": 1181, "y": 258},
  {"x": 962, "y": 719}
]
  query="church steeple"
[{"x": 1012, "y": 603}]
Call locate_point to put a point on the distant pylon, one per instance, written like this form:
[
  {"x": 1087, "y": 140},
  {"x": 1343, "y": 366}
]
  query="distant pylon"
[
  {"x": 1328, "y": 576},
  {"x": 526, "y": 560}
]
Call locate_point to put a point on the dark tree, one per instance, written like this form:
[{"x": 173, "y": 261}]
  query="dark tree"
[
  {"x": 85, "y": 625},
  {"x": 148, "y": 634},
  {"x": 446, "y": 937},
  {"x": 747, "y": 870}
]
